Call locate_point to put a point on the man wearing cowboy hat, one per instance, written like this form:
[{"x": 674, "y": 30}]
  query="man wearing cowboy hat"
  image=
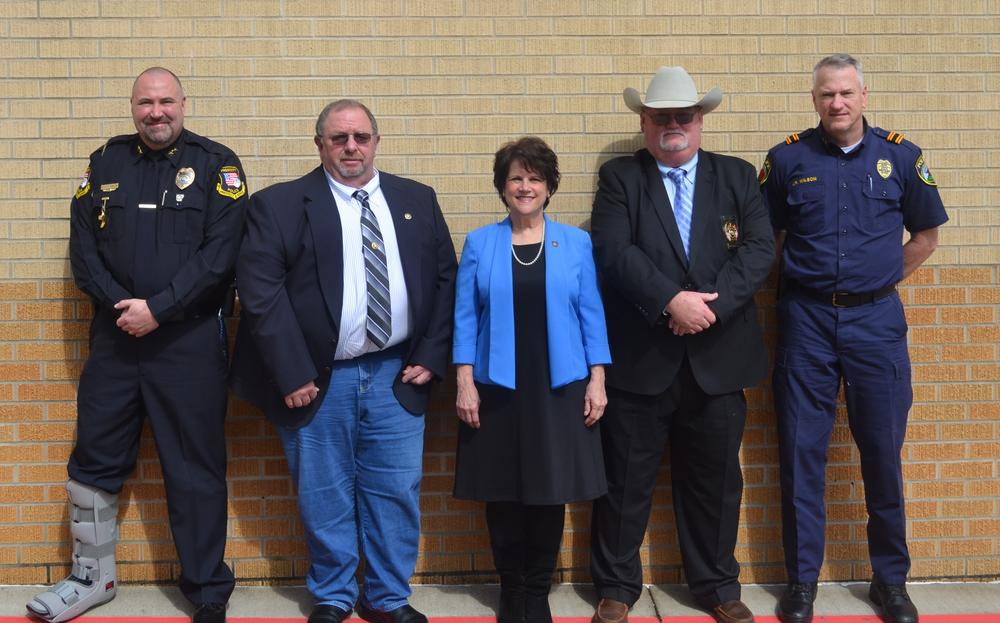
[{"x": 682, "y": 242}]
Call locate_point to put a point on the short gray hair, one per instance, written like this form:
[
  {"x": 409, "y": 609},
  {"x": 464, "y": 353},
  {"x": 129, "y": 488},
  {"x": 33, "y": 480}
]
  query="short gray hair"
[
  {"x": 840, "y": 61},
  {"x": 339, "y": 105}
]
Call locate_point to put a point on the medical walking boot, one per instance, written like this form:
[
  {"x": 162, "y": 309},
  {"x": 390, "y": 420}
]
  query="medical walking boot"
[{"x": 92, "y": 582}]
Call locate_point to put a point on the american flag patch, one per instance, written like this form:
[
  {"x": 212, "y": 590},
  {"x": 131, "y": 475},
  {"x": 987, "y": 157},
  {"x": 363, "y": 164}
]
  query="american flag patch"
[{"x": 232, "y": 179}]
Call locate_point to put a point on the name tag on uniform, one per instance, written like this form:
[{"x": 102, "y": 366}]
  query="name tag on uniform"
[{"x": 147, "y": 206}]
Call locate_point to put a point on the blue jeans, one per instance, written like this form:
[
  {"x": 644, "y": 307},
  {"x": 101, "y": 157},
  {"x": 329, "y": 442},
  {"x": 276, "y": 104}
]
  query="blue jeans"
[{"x": 357, "y": 466}]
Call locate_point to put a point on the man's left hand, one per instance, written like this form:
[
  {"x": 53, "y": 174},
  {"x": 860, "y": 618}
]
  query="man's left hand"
[
  {"x": 135, "y": 318},
  {"x": 417, "y": 374}
]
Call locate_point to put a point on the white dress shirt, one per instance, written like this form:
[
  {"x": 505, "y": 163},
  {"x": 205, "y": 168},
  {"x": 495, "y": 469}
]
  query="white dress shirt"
[{"x": 353, "y": 340}]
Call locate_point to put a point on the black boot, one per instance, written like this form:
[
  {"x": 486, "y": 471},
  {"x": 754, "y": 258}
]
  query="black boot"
[
  {"x": 505, "y": 521},
  {"x": 536, "y": 609},
  {"x": 511, "y": 604},
  {"x": 544, "y": 534}
]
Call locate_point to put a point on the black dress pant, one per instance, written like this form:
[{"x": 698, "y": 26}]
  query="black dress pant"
[
  {"x": 704, "y": 433},
  {"x": 175, "y": 377}
]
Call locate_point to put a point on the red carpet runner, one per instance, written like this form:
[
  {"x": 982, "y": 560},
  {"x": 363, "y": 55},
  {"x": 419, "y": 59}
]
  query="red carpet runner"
[{"x": 702, "y": 618}]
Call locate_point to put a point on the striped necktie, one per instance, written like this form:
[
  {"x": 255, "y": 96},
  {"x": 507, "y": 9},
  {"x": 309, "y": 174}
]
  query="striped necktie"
[
  {"x": 379, "y": 325},
  {"x": 682, "y": 205}
]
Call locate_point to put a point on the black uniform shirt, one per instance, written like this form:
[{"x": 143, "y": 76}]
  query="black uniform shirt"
[{"x": 162, "y": 226}]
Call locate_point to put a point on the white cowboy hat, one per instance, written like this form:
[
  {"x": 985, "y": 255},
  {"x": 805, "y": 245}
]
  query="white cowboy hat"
[{"x": 672, "y": 87}]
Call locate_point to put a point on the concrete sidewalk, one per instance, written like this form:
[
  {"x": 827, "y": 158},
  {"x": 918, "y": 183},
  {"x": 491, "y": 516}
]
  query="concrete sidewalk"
[{"x": 574, "y": 601}]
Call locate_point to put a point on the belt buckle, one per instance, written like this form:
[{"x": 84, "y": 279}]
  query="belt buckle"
[{"x": 834, "y": 299}]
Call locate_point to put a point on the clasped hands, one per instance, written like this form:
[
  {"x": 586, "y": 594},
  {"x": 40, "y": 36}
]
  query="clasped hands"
[
  {"x": 135, "y": 318},
  {"x": 690, "y": 313}
]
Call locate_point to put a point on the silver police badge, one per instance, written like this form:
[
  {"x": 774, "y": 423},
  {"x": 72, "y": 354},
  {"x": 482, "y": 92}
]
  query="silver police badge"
[{"x": 185, "y": 177}]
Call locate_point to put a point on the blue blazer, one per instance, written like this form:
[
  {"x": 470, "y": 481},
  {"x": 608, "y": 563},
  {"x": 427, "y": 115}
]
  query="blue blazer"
[{"x": 484, "y": 306}]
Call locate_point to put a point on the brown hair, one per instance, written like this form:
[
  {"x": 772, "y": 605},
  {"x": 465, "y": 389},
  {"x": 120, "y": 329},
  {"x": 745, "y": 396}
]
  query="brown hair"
[{"x": 534, "y": 155}]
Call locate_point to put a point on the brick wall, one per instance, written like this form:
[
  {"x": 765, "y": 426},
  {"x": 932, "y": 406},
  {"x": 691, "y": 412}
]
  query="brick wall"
[{"x": 450, "y": 81}]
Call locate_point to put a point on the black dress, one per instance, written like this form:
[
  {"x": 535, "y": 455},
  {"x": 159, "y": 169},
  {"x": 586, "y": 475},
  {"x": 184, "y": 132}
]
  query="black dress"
[{"x": 532, "y": 446}]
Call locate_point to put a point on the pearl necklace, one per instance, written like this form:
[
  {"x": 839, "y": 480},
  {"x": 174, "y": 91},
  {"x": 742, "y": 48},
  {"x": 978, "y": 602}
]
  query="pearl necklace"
[{"x": 541, "y": 245}]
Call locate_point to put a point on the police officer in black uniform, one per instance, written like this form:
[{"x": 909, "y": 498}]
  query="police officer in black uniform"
[
  {"x": 841, "y": 195},
  {"x": 155, "y": 229}
]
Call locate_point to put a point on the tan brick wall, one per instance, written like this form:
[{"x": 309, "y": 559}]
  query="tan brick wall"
[{"x": 450, "y": 81}]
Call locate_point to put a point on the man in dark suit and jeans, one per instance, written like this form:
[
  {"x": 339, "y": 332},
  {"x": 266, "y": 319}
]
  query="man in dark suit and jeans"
[
  {"x": 346, "y": 278},
  {"x": 682, "y": 243}
]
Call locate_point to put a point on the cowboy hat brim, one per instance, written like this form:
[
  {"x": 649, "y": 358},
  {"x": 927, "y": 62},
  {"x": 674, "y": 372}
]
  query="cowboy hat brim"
[{"x": 709, "y": 102}]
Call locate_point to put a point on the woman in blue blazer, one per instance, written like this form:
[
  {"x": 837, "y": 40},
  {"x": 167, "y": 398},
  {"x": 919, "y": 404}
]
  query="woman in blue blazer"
[{"x": 530, "y": 348}]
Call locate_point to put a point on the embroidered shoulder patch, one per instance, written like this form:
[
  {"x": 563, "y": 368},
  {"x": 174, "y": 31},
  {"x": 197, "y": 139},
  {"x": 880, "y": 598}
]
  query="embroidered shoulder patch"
[
  {"x": 230, "y": 184},
  {"x": 84, "y": 187},
  {"x": 765, "y": 171},
  {"x": 924, "y": 172}
]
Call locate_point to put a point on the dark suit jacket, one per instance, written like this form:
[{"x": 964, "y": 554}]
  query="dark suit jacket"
[
  {"x": 290, "y": 281},
  {"x": 642, "y": 265}
]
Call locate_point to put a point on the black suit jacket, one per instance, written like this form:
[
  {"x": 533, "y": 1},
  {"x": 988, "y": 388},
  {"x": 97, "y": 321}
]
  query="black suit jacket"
[
  {"x": 290, "y": 281},
  {"x": 643, "y": 266}
]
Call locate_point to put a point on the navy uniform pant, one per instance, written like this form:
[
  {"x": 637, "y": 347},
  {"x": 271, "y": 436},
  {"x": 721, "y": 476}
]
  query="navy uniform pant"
[
  {"x": 865, "y": 347},
  {"x": 175, "y": 377}
]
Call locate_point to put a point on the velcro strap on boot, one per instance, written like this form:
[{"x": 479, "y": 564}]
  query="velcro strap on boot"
[
  {"x": 81, "y": 515},
  {"x": 86, "y": 515},
  {"x": 108, "y": 513},
  {"x": 86, "y": 550},
  {"x": 67, "y": 591}
]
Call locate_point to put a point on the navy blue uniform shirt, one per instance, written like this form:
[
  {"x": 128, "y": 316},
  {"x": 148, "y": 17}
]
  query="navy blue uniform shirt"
[
  {"x": 162, "y": 226},
  {"x": 844, "y": 214}
]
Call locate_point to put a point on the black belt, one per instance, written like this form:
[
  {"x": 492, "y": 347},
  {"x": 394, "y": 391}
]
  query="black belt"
[{"x": 844, "y": 299}]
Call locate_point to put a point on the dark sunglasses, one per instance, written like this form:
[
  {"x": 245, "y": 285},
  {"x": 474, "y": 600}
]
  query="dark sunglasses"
[
  {"x": 664, "y": 118},
  {"x": 361, "y": 138}
]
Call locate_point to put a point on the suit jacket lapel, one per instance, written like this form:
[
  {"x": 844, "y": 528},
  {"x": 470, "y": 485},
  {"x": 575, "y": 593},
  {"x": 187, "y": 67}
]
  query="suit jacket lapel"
[
  {"x": 703, "y": 206},
  {"x": 657, "y": 194},
  {"x": 328, "y": 241}
]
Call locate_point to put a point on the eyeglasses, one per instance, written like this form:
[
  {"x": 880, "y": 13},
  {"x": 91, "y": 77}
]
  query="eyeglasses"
[
  {"x": 361, "y": 138},
  {"x": 664, "y": 118}
]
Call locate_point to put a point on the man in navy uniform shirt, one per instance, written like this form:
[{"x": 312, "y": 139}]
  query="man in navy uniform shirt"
[
  {"x": 840, "y": 196},
  {"x": 155, "y": 226}
]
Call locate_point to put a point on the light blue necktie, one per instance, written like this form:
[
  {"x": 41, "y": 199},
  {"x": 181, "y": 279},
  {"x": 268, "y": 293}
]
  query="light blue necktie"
[
  {"x": 682, "y": 205},
  {"x": 379, "y": 325}
]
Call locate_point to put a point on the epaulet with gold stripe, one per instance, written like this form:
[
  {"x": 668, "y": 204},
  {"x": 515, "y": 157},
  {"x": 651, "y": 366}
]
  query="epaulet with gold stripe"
[
  {"x": 792, "y": 138},
  {"x": 894, "y": 137}
]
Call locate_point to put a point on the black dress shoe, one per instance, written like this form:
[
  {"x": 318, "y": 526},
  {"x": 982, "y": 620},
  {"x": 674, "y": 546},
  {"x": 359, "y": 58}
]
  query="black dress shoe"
[
  {"x": 796, "y": 605},
  {"x": 327, "y": 614},
  {"x": 209, "y": 613},
  {"x": 403, "y": 614},
  {"x": 894, "y": 601}
]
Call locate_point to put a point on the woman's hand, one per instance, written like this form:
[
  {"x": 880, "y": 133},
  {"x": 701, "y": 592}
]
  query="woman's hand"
[
  {"x": 596, "y": 399},
  {"x": 467, "y": 400}
]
